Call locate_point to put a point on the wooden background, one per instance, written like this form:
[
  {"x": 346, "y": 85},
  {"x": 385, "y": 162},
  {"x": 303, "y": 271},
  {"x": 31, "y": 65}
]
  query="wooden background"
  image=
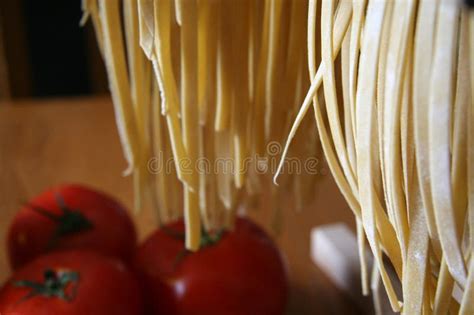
[{"x": 75, "y": 140}]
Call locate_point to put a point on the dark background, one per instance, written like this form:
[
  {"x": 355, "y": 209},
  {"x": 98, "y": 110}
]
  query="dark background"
[{"x": 45, "y": 53}]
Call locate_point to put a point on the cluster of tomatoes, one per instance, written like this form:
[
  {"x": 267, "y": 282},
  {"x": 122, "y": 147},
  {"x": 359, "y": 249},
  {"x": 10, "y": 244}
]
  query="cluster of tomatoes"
[{"x": 74, "y": 251}]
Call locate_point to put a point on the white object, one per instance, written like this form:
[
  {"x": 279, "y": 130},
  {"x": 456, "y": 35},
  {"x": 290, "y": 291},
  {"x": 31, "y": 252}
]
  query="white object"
[{"x": 334, "y": 250}]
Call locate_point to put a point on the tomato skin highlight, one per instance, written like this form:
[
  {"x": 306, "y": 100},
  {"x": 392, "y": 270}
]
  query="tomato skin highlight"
[
  {"x": 242, "y": 274},
  {"x": 31, "y": 232},
  {"x": 106, "y": 286}
]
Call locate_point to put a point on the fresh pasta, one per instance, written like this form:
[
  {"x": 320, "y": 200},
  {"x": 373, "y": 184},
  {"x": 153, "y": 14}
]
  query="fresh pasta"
[
  {"x": 213, "y": 85},
  {"x": 210, "y": 86},
  {"x": 397, "y": 141}
]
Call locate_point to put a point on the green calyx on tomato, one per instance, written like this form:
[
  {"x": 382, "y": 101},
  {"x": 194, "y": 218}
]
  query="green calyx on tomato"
[
  {"x": 54, "y": 285},
  {"x": 207, "y": 239},
  {"x": 70, "y": 221}
]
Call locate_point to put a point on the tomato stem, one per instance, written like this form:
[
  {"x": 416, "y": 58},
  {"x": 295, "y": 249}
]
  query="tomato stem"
[
  {"x": 70, "y": 221},
  {"x": 54, "y": 285},
  {"x": 209, "y": 239}
]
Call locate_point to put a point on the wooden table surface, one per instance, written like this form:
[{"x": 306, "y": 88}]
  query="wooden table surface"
[{"x": 48, "y": 142}]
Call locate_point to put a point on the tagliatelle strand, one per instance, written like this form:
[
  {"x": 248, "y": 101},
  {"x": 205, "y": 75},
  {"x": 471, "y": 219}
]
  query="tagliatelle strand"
[
  {"x": 440, "y": 109},
  {"x": 366, "y": 124},
  {"x": 342, "y": 20},
  {"x": 118, "y": 80}
]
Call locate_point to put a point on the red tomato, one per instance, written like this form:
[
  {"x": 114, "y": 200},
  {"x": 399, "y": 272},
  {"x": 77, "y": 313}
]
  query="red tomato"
[
  {"x": 68, "y": 217},
  {"x": 241, "y": 274},
  {"x": 72, "y": 283}
]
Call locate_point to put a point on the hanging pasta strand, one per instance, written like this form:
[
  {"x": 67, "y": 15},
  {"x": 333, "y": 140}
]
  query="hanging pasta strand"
[
  {"x": 159, "y": 153},
  {"x": 342, "y": 20},
  {"x": 366, "y": 123},
  {"x": 459, "y": 142},
  {"x": 470, "y": 132},
  {"x": 467, "y": 303},
  {"x": 440, "y": 110},
  {"x": 396, "y": 66},
  {"x": 260, "y": 92},
  {"x": 114, "y": 54},
  {"x": 356, "y": 29},
  {"x": 140, "y": 85},
  {"x": 424, "y": 39},
  {"x": 417, "y": 254},
  {"x": 90, "y": 9},
  {"x": 327, "y": 54},
  {"x": 348, "y": 111},
  {"x": 224, "y": 85},
  {"x": 444, "y": 288},
  {"x": 189, "y": 113},
  {"x": 240, "y": 29},
  {"x": 383, "y": 194},
  {"x": 349, "y": 130}
]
